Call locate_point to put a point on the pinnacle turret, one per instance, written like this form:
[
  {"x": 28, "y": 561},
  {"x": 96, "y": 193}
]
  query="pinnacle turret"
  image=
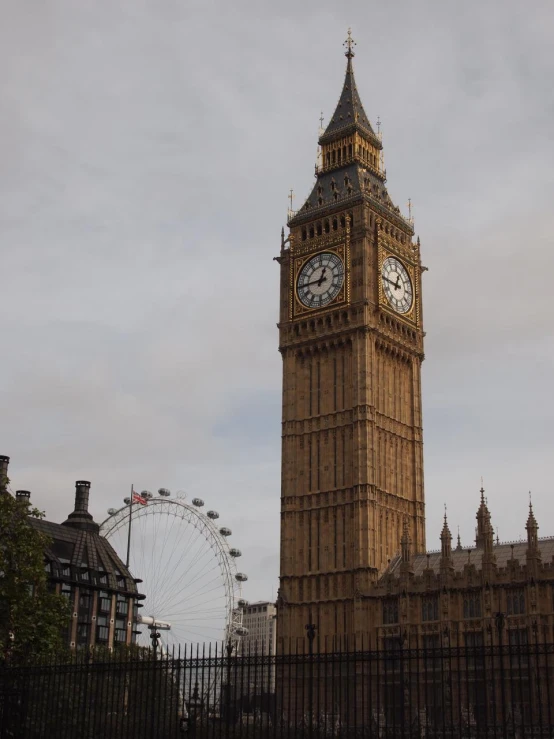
[
  {"x": 533, "y": 554},
  {"x": 406, "y": 566},
  {"x": 446, "y": 546}
]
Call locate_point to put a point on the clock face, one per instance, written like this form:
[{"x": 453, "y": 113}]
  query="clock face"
[
  {"x": 320, "y": 280},
  {"x": 397, "y": 285}
]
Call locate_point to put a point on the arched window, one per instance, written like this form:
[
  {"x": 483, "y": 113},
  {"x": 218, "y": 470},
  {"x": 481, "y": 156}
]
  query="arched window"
[
  {"x": 304, "y": 234},
  {"x": 319, "y": 231},
  {"x": 312, "y": 233},
  {"x": 342, "y": 222},
  {"x": 335, "y": 223},
  {"x": 350, "y": 150},
  {"x": 326, "y": 227}
]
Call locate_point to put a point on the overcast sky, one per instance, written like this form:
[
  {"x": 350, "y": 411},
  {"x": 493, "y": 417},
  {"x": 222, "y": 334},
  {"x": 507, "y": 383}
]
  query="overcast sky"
[{"x": 147, "y": 149}]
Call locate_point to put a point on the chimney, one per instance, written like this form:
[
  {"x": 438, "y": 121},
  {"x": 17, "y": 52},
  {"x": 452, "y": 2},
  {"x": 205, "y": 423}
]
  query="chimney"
[
  {"x": 81, "y": 518},
  {"x": 23, "y": 495},
  {"x": 4, "y": 462}
]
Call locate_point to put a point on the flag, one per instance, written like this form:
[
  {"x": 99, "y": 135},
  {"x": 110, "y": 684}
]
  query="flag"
[{"x": 139, "y": 499}]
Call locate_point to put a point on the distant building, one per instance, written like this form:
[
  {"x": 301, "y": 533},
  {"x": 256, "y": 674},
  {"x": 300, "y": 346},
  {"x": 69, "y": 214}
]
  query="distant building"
[
  {"x": 260, "y": 620},
  {"x": 83, "y": 566},
  {"x": 256, "y": 667}
]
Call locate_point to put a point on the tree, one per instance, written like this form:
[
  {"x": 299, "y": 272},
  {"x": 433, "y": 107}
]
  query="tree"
[{"x": 32, "y": 617}]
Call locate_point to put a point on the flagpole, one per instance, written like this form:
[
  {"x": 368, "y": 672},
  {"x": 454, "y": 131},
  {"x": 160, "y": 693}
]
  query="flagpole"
[{"x": 129, "y": 531}]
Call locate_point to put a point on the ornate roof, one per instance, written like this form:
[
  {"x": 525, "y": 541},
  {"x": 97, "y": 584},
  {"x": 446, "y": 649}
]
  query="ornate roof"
[
  {"x": 460, "y": 558},
  {"x": 84, "y": 550}
]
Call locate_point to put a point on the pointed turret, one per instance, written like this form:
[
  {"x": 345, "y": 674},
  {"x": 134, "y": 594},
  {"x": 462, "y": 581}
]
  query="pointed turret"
[
  {"x": 407, "y": 563},
  {"x": 446, "y": 547},
  {"x": 459, "y": 547},
  {"x": 484, "y": 533},
  {"x": 533, "y": 553},
  {"x": 349, "y": 113},
  {"x": 485, "y": 536},
  {"x": 350, "y": 166}
]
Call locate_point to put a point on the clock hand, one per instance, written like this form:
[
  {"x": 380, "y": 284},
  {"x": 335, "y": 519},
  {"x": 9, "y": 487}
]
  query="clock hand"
[
  {"x": 322, "y": 279},
  {"x": 396, "y": 284},
  {"x": 315, "y": 282}
]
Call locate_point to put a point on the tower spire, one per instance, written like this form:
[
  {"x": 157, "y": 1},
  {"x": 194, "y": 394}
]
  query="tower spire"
[
  {"x": 533, "y": 552},
  {"x": 349, "y": 43},
  {"x": 446, "y": 546}
]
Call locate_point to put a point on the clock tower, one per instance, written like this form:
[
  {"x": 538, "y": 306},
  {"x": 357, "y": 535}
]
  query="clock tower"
[{"x": 351, "y": 340}]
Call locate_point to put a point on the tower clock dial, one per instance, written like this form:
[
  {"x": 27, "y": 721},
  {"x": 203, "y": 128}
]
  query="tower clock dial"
[
  {"x": 397, "y": 285},
  {"x": 320, "y": 280}
]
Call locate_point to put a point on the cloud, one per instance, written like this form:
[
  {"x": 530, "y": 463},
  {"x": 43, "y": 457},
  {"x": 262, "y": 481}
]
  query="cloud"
[{"x": 148, "y": 150}]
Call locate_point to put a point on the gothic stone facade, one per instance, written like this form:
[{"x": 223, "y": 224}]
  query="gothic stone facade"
[{"x": 352, "y": 498}]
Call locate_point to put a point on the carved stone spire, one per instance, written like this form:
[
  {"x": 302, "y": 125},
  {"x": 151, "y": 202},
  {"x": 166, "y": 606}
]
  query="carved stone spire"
[
  {"x": 533, "y": 553},
  {"x": 485, "y": 536},
  {"x": 407, "y": 564},
  {"x": 446, "y": 547},
  {"x": 459, "y": 547}
]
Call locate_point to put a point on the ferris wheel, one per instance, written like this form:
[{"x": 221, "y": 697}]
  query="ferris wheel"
[{"x": 184, "y": 564}]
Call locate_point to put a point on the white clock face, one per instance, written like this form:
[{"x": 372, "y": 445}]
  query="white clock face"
[
  {"x": 320, "y": 280},
  {"x": 397, "y": 285}
]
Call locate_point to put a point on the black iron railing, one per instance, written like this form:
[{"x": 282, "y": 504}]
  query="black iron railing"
[{"x": 470, "y": 689}]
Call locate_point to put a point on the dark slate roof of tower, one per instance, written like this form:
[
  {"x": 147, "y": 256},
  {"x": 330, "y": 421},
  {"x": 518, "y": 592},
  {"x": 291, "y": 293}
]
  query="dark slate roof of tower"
[
  {"x": 80, "y": 548},
  {"x": 343, "y": 186},
  {"x": 350, "y": 109}
]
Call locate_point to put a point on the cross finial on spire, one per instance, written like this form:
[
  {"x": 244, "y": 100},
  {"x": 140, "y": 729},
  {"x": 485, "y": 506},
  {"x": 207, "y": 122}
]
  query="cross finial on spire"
[
  {"x": 378, "y": 125},
  {"x": 349, "y": 43},
  {"x": 321, "y": 119},
  {"x": 445, "y": 513}
]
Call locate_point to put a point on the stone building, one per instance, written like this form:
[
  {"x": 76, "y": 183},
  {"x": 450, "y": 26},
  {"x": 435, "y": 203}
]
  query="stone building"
[
  {"x": 83, "y": 566},
  {"x": 353, "y": 558}
]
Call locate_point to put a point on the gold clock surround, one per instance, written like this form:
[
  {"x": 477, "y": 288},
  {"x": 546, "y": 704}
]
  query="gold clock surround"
[
  {"x": 337, "y": 243},
  {"x": 385, "y": 251}
]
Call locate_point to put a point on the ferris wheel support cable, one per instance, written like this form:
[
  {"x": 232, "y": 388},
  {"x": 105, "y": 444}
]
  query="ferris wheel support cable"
[
  {"x": 172, "y": 603},
  {"x": 197, "y": 536}
]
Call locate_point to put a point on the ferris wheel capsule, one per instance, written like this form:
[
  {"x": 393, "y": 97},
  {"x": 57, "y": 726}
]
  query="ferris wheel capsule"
[
  {"x": 235, "y": 552},
  {"x": 111, "y": 511},
  {"x": 241, "y": 631},
  {"x": 127, "y": 501},
  {"x": 241, "y": 603},
  {"x": 212, "y": 514},
  {"x": 224, "y": 531},
  {"x": 164, "y": 492},
  {"x": 198, "y": 502},
  {"x": 241, "y": 577},
  {"x": 147, "y": 494}
]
